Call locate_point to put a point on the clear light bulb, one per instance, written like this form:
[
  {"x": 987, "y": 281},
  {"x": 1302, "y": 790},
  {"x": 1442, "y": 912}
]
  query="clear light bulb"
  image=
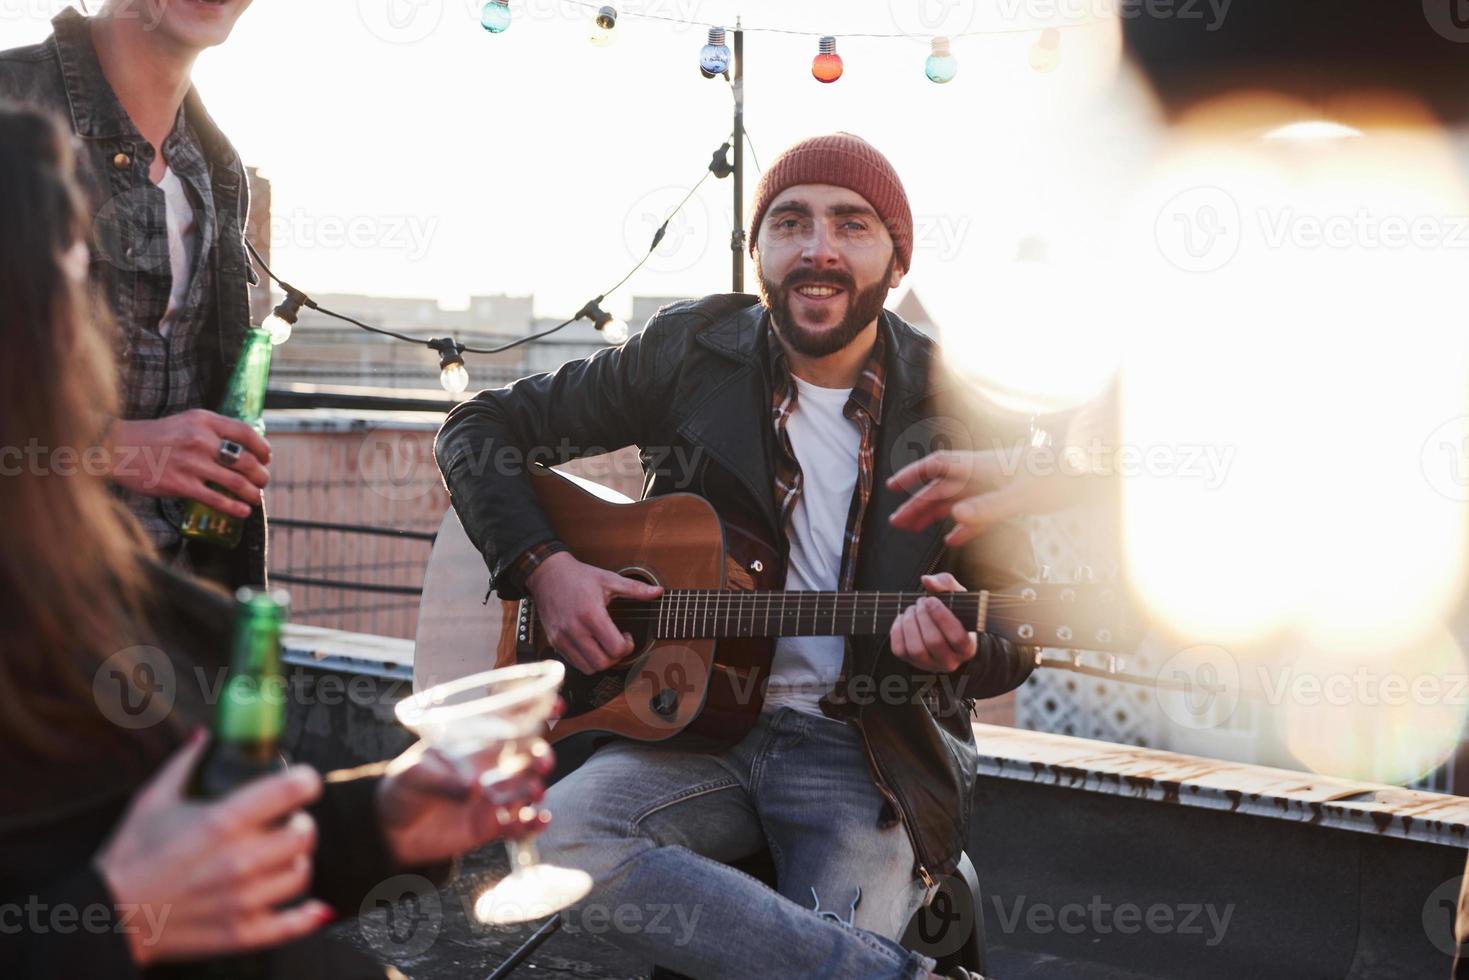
[
  {"x": 941, "y": 66},
  {"x": 454, "y": 378},
  {"x": 602, "y": 28},
  {"x": 828, "y": 64},
  {"x": 1045, "y": 53},
  {"x": 715, "y": 59},
  {"x": 614, "y": 331},
  {"x": 495, "y": 17},
  {"x": 278, "y": 327}
]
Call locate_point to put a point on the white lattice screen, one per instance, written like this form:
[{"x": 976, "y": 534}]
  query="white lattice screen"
[{"x": 1076, "y": 704}]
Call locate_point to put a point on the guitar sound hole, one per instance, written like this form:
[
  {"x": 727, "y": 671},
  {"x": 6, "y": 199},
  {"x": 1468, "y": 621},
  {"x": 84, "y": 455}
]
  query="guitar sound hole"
[{"x": 635, "y": 617}]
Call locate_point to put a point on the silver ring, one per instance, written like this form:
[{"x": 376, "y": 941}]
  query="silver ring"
[{"x": 229, "y": 453}]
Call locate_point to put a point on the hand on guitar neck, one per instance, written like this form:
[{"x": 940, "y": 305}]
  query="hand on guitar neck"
[
  {"x": 928, "y": 636},
  {"x": 571, "y": 601}
]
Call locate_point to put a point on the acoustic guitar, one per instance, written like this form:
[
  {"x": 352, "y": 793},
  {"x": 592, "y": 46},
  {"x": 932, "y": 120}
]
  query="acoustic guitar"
[{"x": 702, "y": 649}]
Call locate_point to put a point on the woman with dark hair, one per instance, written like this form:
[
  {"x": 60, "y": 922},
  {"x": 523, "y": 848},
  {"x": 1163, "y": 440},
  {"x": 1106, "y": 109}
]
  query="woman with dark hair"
[{"x": 106, "y": 869}]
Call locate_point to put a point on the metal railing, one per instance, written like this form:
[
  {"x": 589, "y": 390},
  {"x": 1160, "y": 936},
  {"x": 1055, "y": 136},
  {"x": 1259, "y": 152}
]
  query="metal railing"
[{"x": 350, "y": 545}]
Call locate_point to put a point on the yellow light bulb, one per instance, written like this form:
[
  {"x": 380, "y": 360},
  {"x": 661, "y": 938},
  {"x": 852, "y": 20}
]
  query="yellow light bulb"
[{"x": 454, "y": 378}]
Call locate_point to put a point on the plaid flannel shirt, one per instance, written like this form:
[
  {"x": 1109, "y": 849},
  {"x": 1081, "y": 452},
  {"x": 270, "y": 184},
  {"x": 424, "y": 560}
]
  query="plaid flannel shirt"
[
  {"x": 161, "y": 375},
  {"x": 864, "y": 407}
]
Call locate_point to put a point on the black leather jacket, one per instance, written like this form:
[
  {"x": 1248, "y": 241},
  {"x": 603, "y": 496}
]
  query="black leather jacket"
[
  {"x": 692, "y": 386},
  {"x": 61, "y": 75}
]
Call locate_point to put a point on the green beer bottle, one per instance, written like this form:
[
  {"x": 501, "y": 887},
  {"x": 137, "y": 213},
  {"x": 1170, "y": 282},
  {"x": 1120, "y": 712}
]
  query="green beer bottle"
[
  {"x": 247, "y": 728},
  {"x": 252, "y": 704},
  {"x": 243, "y": 400}
]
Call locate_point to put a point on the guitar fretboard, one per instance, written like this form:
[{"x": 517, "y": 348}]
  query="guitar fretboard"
[{"x": 691, "y": 614}]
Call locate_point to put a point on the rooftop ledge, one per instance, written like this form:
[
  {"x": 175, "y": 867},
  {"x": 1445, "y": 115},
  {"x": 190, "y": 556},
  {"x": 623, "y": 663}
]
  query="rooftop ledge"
[
  {"x": 1070, "y": 763},
  {"x": 1082, "y": 764}
]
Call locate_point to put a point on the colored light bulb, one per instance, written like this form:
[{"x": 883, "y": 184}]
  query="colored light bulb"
[
  {"x": 495, "y": 17},
  {"x": 1045, "y": 53},
  {"x": 602, "y": 28},
  {"x": 941, "y": 66},
  {"x": 715, "y": 59},
  {"x": 827, "y": 67}
]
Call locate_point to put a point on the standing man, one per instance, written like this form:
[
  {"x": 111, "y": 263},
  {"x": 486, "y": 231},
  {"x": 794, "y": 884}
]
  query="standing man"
[
  {"x": 795, "y": 408},
  {"x": 169, "y": 197}
]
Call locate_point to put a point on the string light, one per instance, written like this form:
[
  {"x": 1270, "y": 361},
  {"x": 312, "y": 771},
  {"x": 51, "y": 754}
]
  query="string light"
[
  {"x": 941, "y": 66},
  {"x": 495, "y": 17},
  {"x": 279, "y": 324},
  {"x": 1045, "y": 53},
  {"x": 886, "y": 35},
  {"x": 715, "y": 59},
  {"x": 603, "y": 25},
  {"x": 827, "y": 66},
  {"x": 453, "y": 375},
  {"x": 612, "y": 329}
]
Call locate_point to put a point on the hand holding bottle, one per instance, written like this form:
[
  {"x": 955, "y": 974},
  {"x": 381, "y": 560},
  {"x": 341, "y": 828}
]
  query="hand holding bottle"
[
  {"x": 178, "y": 456},
  {"x": 211, "y": 875}
]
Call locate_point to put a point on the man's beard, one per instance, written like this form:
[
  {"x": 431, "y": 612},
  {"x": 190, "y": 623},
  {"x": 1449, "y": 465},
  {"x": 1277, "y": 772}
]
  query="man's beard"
[{"x": 862, "y": 309}]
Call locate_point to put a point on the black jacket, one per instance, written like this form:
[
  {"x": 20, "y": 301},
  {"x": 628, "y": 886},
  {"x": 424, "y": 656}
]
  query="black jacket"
[
  {"x": 61, "y": 75},
  {"x": 56, "y": 818},
  {"x": 694, "y": 382}
]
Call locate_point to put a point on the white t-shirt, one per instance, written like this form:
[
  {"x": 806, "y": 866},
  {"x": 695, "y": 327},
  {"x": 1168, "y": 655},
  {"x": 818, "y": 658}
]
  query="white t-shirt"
[
  {"x": 183, "y": 244},
  {"x": 826, "y": 444}
]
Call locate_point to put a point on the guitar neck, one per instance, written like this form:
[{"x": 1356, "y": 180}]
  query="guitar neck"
[{"x": 689, "y": 614}]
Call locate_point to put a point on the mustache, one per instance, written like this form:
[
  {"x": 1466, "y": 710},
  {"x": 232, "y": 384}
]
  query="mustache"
[{"x": 814, "y": 277}]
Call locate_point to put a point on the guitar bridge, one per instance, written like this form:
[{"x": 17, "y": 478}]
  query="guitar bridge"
[{"x": 525, "y": 630}]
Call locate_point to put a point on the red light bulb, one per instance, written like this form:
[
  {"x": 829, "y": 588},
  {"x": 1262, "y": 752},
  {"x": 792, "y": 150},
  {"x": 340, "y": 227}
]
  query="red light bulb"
[{"x": 828, "y": 64}]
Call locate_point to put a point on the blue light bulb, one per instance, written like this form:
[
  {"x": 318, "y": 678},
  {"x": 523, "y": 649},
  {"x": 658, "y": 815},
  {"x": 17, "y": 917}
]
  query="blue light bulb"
[
  {"x": 715, "y": 58},
  {"x": 496, "y": 16},
  {"x": 941, "y": 66}
]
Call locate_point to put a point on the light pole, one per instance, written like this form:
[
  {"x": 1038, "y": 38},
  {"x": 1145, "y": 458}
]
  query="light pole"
[{"x": 737, "y": 235}]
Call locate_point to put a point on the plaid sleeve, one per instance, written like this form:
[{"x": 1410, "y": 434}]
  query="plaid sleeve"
[{"x": 514, "y": 578}]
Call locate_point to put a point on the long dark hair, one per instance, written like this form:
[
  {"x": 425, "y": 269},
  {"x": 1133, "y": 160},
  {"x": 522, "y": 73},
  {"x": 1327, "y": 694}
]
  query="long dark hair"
[{"x": 71, "y": 580}]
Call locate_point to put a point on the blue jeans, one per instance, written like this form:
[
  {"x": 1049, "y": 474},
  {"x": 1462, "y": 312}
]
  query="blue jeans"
[{"x": 653, "y": 823}]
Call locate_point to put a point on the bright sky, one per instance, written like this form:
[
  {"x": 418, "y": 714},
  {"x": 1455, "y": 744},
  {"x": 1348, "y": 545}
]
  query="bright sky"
[{"x": 532, "y": 161}]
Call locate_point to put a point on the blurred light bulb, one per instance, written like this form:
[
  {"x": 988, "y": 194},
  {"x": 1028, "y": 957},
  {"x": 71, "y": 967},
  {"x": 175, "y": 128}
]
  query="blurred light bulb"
[
  {"x": 827, "y": 67},
  {"x": 715, "y": 59},
  {"x": 278, "y": 327},
  {"x": 614, "y": 331},
  {"x": 1045, "y": 53},
  {"x": 454, "y": 378},
  {"x": 602, "y": 31},
  {"x": 495, "y": 17},
  {"x": 941, "y": 66}
]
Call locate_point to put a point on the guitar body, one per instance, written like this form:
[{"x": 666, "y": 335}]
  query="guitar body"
[
  {"x": 709, "y": 688},
  {"x": 702, "y": 651}
]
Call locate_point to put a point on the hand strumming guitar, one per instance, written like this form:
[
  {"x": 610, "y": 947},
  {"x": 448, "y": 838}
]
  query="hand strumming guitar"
[{"x": 571, "y": 601}]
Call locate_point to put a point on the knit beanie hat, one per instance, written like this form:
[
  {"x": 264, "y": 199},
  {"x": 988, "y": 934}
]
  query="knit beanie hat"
[{"x": 842, "y": 160}]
